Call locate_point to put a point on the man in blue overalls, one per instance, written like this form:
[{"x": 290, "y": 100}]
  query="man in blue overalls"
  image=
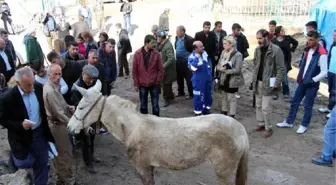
[{"x": 200, "y": 65}]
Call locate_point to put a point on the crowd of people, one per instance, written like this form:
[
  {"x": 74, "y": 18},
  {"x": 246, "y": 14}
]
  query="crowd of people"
[{"x": 37, "y": 108}]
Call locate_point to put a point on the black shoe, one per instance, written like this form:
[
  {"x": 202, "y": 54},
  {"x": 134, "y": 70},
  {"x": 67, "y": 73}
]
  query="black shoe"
[
  {"x": 224, "y": 113},
  {"x": 198, "y": 115},
  {"x": 232, "y": 116}
]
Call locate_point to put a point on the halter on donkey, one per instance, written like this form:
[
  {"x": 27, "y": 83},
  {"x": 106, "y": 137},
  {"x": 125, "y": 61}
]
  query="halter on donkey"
[{"x": 171, "y": 143}]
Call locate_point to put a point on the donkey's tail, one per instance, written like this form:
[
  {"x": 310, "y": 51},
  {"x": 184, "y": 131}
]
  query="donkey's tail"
[{"x": 241, "y": 176}]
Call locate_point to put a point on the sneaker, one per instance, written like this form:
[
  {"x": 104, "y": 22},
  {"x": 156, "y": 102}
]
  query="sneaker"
[
  {"x": 324, "y": 110},
  {"x": 267, "y": 133},
  {"x": 284, "y": 124},
  {"x": 328, "y": 115},
  {"x": 301, "y": 129},
  {"x": 103, "y": 131},
  {"x": 320, "y": 161},
  {"x": 126, "y": 77}
]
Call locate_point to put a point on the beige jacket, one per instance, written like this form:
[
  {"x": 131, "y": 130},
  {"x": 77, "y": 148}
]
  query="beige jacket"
[
  {"x": 237, "y": 78},
  {"x": 58, "y": 111},
  {"x": 79, "y": 27}
]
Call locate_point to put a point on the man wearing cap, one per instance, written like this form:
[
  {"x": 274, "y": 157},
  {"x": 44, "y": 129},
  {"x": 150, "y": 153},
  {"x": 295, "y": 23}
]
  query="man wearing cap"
[
  {"x": 93, "y": 60},
  {"x": 87, "y": 80},
  {"x": 165, "y": 47},
  {"x": 33, "y": 48}
]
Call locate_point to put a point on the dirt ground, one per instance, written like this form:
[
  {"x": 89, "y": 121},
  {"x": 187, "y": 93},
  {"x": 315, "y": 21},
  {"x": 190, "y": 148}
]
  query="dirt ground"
[{"x": 282, "y": 159}]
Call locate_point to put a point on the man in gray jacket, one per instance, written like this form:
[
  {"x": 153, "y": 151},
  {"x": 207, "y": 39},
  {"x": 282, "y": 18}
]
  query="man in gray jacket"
[
  {"x": 164, "y": 20},
  {"x": 267, "y": 77}
]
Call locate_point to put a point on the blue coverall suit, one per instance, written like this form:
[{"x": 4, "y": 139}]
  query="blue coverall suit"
[{"x": 201, "y": 82}]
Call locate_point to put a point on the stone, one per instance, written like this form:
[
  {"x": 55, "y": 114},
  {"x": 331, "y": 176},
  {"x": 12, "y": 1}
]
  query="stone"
[{"x": 21, "y": 177}]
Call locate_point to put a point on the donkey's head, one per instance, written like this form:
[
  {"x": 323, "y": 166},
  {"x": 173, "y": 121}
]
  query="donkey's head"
[{"x": 89, "y": 108}]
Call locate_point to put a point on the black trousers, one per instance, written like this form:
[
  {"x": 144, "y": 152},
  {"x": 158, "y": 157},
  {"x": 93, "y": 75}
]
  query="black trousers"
[
  {"x": 168, "y": 91},
  {"x": 183, "y": 73},
  {"x": 107, "y": 88},
  {"x": 123, "y": 63},
  {"x": 88, "y": 145}
]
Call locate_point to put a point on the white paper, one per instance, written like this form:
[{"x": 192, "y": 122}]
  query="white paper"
[
  {"x": 30, "y": 121},
  {"x": 272, "y": 81}
]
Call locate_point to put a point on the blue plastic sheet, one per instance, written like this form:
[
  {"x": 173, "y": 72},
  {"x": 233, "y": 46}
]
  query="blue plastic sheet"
[{"x": 324, "y": 13}]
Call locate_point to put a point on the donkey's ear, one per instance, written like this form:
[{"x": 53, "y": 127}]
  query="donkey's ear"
[
  {"x": 81, "y": 90},
  {"x": 98, "y": 86}
]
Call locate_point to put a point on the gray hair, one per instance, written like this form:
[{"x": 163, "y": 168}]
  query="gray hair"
[
  {"x": 155, "y": 27},
  {"x": 24, "y": 71},
  {"x": 181, "y": 28}
]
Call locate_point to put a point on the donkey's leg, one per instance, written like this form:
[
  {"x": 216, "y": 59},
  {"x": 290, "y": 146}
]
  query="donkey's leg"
[
  {"x": 225, "y": 171},
  {"x": 146, "y": 174}
]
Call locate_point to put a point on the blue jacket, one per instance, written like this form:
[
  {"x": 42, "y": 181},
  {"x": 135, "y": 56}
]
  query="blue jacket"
[
  {"x": 313, "y": 68},
  {"x": 200, "y": 67},
  {"x": 110, "y": 64}
]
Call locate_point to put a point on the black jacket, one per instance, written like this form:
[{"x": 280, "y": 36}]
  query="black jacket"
[
  {"x": 242, "y": 45},
  {"x": 76, "y": 96},
  {"x": 287, "y": 45},
  {"x": 70, "y": 73},
  {"x": 91, "y": 45},
  {"x": 12, "y": 114},
  {"x": 208, "y": 42},
  {"x": 188, "y": 43},
  {"x": 3, "y": 69},
  {"x": 219, "y": 43}
]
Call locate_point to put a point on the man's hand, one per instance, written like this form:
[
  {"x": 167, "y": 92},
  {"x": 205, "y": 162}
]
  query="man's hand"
[
  {"x": 27, "y": 124},
  {"x": 275, "y": 86},
  {"x": 72, "y": 109},
  {"x": 89, "y": 130}
]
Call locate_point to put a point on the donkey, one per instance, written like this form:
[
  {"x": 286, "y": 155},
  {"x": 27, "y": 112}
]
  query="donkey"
[{"x": 171, "y": 143}]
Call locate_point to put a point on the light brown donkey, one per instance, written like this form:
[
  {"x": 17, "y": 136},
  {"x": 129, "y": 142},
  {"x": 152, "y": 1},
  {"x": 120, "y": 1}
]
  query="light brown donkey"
[{"x": 167, "y": 142}]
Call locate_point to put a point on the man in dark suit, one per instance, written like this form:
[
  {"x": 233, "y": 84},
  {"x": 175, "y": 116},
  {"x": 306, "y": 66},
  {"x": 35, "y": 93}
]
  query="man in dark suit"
[
  {"x": 7, "y": 66},
  {"x": 22, "y": 113},
  {"x": 209, "y": 41}
]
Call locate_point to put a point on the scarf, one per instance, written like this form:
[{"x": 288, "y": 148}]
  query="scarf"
[{"x": 224, "y": 59}]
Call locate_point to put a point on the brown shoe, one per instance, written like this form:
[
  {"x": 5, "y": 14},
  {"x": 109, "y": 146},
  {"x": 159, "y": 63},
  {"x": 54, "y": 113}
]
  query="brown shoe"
[
  {"x": 260, "y": 128},
  {"x": 267, "y": 133}
]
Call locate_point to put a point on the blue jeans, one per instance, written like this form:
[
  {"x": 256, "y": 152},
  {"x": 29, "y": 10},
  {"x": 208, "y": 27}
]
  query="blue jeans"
[
  {"x": 37, "y": 158},
  {"x": 154, "y": 91},
  {"x": 302, "y": 91},
  {"x": 127, "y": 23},
  {"x": 329, "y": 137},
  {"x": 285, "y": 86},
  {"x": 332, "y": 90},
  {"x": 88, "y": 21}
]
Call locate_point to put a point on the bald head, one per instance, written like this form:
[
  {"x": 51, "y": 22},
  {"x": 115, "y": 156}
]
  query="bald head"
[
  {"x": 55, "y": 73},
  {"x": 198, "y": 47},
  {"x": 2, "y": 44}
]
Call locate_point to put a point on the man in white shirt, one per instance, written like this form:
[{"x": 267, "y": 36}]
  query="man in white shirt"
[
  {"x": 7, "y": 67},
  {"x": 313, "y": 68}
]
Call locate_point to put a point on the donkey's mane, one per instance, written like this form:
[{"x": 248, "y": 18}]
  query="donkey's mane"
[{"x": 122, "y": 103}]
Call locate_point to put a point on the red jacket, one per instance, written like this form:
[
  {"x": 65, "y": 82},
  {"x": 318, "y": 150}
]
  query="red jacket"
[{"x": 143, "y": 77}]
